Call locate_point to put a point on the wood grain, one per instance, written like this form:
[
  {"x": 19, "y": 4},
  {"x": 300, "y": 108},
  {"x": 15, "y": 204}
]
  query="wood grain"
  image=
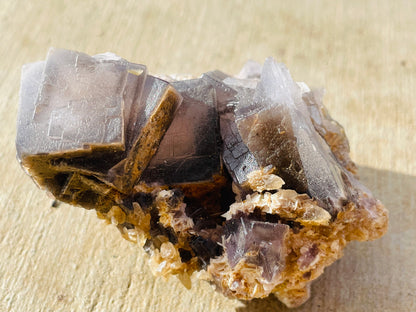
[{"x": 362, "y": 52}]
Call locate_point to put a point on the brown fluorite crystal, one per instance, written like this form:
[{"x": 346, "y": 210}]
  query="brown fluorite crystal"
[{"x": 246, "y": 179}]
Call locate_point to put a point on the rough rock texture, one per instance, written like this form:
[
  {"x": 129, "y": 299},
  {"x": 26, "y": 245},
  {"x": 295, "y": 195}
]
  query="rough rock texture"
[{"x": 246, "y": 180}]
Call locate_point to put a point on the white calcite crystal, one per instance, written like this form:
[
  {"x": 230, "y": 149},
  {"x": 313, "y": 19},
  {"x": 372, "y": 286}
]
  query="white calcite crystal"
[{"x": 245, "y": 179}]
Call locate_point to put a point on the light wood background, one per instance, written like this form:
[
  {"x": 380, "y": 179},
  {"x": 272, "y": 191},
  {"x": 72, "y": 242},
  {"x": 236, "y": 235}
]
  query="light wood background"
[{"x": 362, "y": 52}]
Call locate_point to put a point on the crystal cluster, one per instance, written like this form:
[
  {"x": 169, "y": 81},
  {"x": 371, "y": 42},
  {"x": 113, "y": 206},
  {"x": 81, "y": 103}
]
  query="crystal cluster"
[{"x": 245, "y": 179}]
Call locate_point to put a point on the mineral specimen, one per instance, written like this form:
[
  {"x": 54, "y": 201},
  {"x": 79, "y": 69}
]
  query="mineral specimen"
[{"x": 246, "y": 179}]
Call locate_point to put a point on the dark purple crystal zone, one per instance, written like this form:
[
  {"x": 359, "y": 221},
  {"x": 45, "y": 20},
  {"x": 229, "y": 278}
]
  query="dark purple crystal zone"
[
  {"x": 275, "y": 121},
  {"x": 189, "y": 151}
]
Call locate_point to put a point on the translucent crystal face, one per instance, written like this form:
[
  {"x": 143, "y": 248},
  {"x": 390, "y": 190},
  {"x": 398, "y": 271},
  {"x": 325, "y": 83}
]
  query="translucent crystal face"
[
  {"x": 277, "y": 128},
  {"x": 74, "y": 87},
  {"x": 256, "y": 242},
  {"x": 189, "y": 151},
  {"x": 31, "y": 83},
  {"x": 236, "y": 156}
]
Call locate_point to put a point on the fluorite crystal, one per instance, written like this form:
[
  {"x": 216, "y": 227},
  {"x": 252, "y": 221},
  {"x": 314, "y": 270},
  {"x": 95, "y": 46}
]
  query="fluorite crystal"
[
  {"x": 88, "y": 126},
  {"x": 189, "y": 151},
  {"x": 246, "y": 178}
]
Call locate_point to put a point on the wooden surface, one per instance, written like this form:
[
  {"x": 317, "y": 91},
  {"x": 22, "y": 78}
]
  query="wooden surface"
[{"x": 362, "y": 52}]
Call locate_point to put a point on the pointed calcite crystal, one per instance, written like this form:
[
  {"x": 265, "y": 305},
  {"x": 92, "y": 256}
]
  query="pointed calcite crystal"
[{"x": 245, "y": 178}]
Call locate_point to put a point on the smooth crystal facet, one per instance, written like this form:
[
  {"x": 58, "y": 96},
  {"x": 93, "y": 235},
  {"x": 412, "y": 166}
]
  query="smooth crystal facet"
[
  {"x": 278, "y": 117},
  {"x": 236, "y": 156},
  {"x": 189, "y": 150}
]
